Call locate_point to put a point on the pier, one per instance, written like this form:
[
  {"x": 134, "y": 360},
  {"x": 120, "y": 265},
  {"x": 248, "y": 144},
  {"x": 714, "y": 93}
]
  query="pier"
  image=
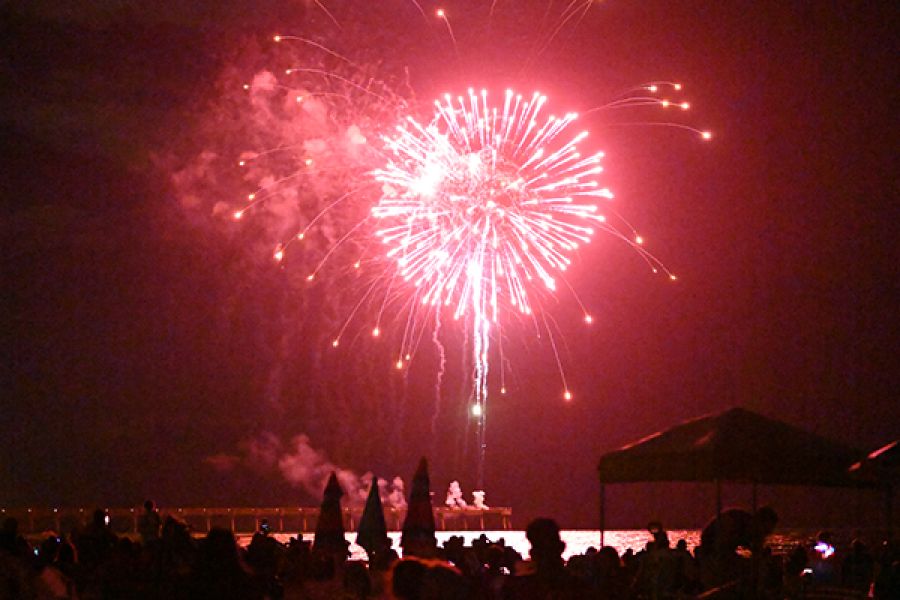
[{"x": 245, "y": 520}]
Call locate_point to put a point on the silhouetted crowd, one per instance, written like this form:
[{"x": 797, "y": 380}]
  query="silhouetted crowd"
[{"x": 731, "y": 561}]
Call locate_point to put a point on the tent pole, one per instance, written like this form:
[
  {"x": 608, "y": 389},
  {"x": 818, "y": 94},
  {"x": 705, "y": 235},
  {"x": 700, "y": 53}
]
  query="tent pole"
[
  {"x": 602, "y": 514},
  {"x": 756, "y": 551},
  {"x": 718, "y": 498},
  {"x": 718, "y": 528},
  {"x": 889, "y": 510}
]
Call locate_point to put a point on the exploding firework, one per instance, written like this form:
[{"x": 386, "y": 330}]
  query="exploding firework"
[
  {"x": 476, "y": 211},
  {"x": 481, "y": 209},
  {"x": 480, "y": 203}
]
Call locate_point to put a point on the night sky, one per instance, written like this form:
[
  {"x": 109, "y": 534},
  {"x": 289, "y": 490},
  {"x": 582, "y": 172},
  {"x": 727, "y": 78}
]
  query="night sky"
[{"x": 152, "y": 349}]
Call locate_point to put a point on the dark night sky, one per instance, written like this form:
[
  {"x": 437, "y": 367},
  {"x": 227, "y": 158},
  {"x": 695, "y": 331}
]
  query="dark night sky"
[{"x": 135, "y": 343}]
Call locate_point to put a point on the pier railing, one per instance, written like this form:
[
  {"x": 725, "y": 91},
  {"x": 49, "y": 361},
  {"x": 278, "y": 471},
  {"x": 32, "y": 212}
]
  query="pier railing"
[{"x": 240, "y": 520}]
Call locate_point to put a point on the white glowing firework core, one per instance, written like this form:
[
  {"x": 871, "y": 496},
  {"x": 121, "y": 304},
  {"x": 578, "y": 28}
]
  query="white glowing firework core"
[
  {"x": 482, "y": 205},
  {"x": 482, "y": 208}
]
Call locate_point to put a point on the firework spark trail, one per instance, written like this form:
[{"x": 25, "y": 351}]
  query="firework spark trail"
[
  {"x": 571, "y": 11},
  {"x": 540, "y": 44},
  {"x": 443, "y": 15},
  {"x": 420, "y": 9},
  {"x": 329, "y": 74},
  {"x": 328, "y": 13},
  {"x": 317, "y": 45},
  {"x": 442, "y": 363},
  {"x": 464, "y": 436}
]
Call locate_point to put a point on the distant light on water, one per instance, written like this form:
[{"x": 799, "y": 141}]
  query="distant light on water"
[{"x": 577, "y": 541}]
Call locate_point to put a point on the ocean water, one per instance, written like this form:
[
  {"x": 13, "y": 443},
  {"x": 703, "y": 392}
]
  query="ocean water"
[{"x": 577, "y": 541}]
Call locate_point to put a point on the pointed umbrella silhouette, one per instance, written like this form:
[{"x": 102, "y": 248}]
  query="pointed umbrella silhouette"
[
  {"x": 372, "y": 532},
  {"x": 329, "y": 536},
  {"x": 418, "y": 528}
]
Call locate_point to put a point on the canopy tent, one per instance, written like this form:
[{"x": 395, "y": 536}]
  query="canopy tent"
[{"x": 736, "y": 445}]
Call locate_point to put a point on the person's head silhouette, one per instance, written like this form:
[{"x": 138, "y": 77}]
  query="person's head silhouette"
[{"x": 546, "y": 545}]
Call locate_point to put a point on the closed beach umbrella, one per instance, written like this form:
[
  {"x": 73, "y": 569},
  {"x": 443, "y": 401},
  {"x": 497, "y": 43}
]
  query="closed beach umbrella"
[
  {"x": 418, "y": 529},
  {"x": 372, "y": 532},
  {"x": 329, "y": 535}
]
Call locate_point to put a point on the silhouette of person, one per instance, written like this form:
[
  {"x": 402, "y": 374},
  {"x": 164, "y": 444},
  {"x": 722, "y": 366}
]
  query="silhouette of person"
[
  {"x": 858, "y": 568},
  {"x": 723, "y": 535},
  {"x": 219, "y": 572},
  {"x": 414, "y": 578},
  {"x": 735, "y": 528},
  {"x": 95, "y": 543},
  {"x": 149, "y": 524},
  {"x": 10, "y": 539},
  {"x": 549, "y": 578}
]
